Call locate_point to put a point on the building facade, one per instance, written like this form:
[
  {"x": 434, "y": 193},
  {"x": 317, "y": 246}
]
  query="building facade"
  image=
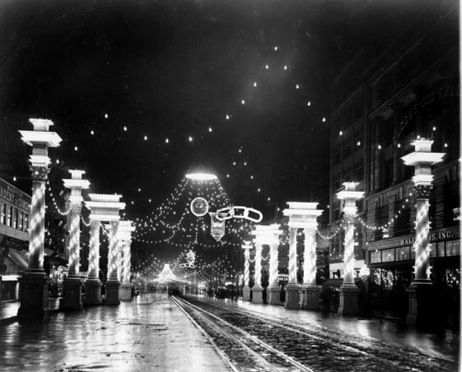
[
  {"x": 14, "y": 237},
  {"x": 381, "y": 104}
]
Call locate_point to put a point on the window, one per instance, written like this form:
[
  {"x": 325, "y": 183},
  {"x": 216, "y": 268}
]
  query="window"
[
  {"x": 8, "y": 215},
  {"x": 402, "y": 223},
  {"x": 388, "y": 255},
  {"x": 440, "y": 249},
  {"x": 403, "y": 253},
  {"x": 26, "y": 222},
  {"x": 453, "y": 248},
  {"x": 20, "y": 221},
  {"x": 14, "y": 224},
  {"x": 381, "y": 218},
  {"x": 375, "y": 257},
  {"x": 2, "y": 213}
]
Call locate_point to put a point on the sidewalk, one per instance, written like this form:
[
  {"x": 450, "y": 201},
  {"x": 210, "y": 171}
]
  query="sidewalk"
[
  {"x": 149, "y": 333},
  {"x": 445, "y": 344}
]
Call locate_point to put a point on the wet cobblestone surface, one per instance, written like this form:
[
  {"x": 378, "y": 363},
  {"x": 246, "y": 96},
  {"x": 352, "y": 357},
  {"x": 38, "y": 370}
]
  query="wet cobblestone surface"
[{"x": 321, "y": 349}]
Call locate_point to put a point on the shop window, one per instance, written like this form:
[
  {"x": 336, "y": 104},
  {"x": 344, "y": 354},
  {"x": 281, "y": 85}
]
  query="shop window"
[
  {"x": 403, "y": 254},
  {"x": 433, "y": 250},
  {"x": 2, "y": 213},
  {"x": 440, "y": 249},
  {"x": 374, "y": 257},
  {"x": 453, "y": 248},
  {"x": 8, "y": 215},
  {"x": 388, "y": 255}
]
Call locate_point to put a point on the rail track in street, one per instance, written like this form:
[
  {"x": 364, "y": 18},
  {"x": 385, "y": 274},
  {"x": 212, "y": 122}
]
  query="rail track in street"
[{"x": 253, "y": 342}]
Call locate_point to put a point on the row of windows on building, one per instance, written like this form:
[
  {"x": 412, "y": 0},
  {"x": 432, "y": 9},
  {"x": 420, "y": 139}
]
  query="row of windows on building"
[
  {"x": 440, "y": 249},
  {"x": 13, "y": 217}
]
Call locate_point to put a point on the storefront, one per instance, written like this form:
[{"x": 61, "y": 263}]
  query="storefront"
[{"x": 391, "y": 263}]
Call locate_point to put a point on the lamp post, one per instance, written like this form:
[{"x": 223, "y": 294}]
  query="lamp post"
[
  {"x": 72, "y": 299},
  {"x": 104, "y": 208},
  {"x": 247, "y": 246},
  {"x": 348, "y": 290},
  {"x": 125, "y": 236},
  {"x": 33, "y": 294},
  {"x": 269, "y": 235},
  {"x": 420, "y": 290}
]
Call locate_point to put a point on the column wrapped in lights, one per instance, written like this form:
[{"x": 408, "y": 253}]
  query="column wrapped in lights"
[
  {"x": 104, "y": 208},
  {"x": 297, "y": 220},
  {"x": 422, "y": 159},
  {"x": 112, "y": 265},
  {"x": 33, "y": 283},
  {"x": 72, "y": 299},
  {"x": 125, "y": 237},
  {"x": 247, "y": 246},
  {"x": 269, "y": 235},
  {"x": 310, "y": 291},
  {"x": 348, "y": 289},
  {"x": 420, "y": 291}
]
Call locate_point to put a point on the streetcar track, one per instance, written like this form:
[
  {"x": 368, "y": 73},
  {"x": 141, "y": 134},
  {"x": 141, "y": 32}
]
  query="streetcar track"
[
  {"x": 395, "y": 363},
  {"x": 268, "y": 366}
]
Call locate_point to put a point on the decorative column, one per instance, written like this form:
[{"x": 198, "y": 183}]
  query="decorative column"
[
  {"x": 72, "y": 299},
  {"x": 348, "y": 290},
  {"x": 33, "y": 284},
  {"x": 310, "y": 290},
  {"x": 270, "y": 235},
  {"x": 246, "y": 289},
  {"x": 93, "y": 283},
  {"x": 104, "y": 208},
  {"x": 257, "y": 289},
  {"x": 420, "y": 291},
  {"x": 296, "y": 221},
  {"x": 125, "y": 236}
]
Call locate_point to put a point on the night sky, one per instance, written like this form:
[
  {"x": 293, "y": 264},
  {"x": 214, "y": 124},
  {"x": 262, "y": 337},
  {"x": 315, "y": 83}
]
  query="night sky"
[{"x": 127, "y": 83}]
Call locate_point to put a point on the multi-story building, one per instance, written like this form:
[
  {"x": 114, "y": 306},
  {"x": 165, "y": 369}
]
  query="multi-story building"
[
  {"x": 14, "y": 237},
  {"x": 381, "y": 104}
]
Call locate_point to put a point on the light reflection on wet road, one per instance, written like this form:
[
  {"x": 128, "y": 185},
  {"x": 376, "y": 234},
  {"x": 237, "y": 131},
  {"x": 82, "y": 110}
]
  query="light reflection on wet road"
[{"x": 150, "y": 333}]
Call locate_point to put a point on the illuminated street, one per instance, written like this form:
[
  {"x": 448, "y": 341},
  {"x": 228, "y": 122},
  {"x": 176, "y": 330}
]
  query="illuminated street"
[{"x": 230, "y": 185}]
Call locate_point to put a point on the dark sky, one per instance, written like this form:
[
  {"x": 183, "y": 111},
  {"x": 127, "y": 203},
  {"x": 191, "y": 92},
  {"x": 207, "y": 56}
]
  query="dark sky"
[{"x": 171, "y": 69}]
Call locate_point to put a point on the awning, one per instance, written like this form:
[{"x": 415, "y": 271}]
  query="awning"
[{"x": 19, "y": 258}]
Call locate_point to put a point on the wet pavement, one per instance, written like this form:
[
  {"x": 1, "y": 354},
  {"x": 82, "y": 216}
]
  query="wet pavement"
[
  {"x": 149, "y": 333},
  {"x": 441, "y": 344}
]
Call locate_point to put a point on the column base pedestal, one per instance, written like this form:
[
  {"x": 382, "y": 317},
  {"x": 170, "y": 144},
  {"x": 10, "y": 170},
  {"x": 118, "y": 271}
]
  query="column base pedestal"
[
  {"x": 112, "y": 292},
  {"x": 125, "y": 292},
  {"x": 310, "y": 297},
  {"x": 257, "y": 295},
  {"x": 33, "y": 295},
  {"x": 274, "y": 295},
  {"x": 292, "y": 297},
  {"x": 92, "y": 292},
  {"x": 246, "y": 294},
  {"x": 348, "y": 300},
  {"x": 422, "y": 311},
  {"x": 72, "y": 299}
]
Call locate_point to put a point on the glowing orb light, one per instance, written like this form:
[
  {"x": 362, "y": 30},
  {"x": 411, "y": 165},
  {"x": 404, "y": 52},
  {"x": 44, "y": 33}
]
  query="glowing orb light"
[{"x": 199, "y": 207}]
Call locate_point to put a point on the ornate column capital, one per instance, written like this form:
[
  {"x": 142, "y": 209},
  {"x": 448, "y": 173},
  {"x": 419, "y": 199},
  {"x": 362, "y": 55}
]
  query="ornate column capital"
[
  {"x": 422, "y": 191},
  {"x": 76, "y": 208},
  {"x": 39, "y": 172},
  {"x": 350, "y": 218}
]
